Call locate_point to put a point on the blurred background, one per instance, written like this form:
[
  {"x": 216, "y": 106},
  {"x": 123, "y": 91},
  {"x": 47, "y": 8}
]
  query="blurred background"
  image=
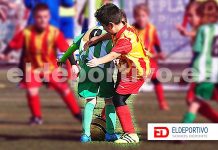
[{"x": 164, "y": 14}]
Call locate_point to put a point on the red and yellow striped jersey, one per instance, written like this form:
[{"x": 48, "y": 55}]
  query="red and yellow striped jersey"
[
  {"x": 149, "y": 37},
  {"x": 133, "y": 53},
  {"x": 39, "y": 48}
]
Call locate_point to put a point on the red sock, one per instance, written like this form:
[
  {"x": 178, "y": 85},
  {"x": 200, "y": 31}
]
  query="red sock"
[
  {"x": 124, "y": 116},
  {"x": 34, "y": 105},
  {"x": 103, "y": 116},
  {"x": 191, "y": 93},
  {"x": 207, "y": 111},
  {"x": 160, "y": 95},
  {"x": 72, "y": 104}
]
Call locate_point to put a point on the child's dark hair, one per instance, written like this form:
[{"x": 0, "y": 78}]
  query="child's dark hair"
[
  {"x": 40, "y": 7},
  {"x": 124, "y": 17},
  {"x": 109, "y": 13},
  {"x": 193, "y": 4},
  {"x": 141, "y": 6},
  {"x": 208, "y": 12}
]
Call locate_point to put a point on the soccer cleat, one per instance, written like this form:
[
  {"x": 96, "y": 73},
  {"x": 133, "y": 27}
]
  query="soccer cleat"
[
  {"x": 111, "y": 137},
  {"x": 128, "y": 139},
  {"x": 85, "y": 139},
  {"x": 35, "y": 121}
]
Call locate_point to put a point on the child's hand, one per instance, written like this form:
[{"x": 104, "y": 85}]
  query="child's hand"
[
  {"x": 59, "y": 63},
  {"x": 4, "y": 57},
  {"x": 91, "y": 42},
  {"x": 162, "y": 56},
  {"x": 181, "y": 29},
  {"x": 93, "y": 63},
  {"x": 75, "y": 69}
]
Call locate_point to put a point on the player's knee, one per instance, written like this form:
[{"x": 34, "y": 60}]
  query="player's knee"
[
  {"x": 118, "y": 100},
  {"x": 64, "y": 92},
  {"x": 108, "y": 101},
  {"x": 33, "y": 91},
  {"x": 155, "y": 81},
  {"x": 92, "y": 101}
]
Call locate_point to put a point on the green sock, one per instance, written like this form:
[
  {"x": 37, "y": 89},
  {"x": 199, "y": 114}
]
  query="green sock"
[
  {"x": 87, "y": 118},
  {"x": 189, "y": 118},
  {"x": 110, "y": 118}
]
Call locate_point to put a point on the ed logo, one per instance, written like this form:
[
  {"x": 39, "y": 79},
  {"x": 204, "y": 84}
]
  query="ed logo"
[{"x": 161, "y": 132}]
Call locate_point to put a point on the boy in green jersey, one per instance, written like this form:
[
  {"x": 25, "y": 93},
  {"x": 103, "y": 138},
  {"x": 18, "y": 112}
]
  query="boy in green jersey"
[
  {"x": 94, "y": 82},
  {"x": 205, "y": 59}
]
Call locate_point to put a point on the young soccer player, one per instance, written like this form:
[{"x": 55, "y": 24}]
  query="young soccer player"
[
  {"x": 95, "y": 82},
  {"x": 194, "y": 19},
  {"x": 40, "y": 43},
  {"x": 133, "y": 65},
  {"x": 205, "y": 60},
  {"x": 148, "y": 34}
]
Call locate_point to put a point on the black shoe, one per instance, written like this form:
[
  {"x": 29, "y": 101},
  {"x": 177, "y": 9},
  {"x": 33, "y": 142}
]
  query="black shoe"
[{"x": 35, "y": 121}]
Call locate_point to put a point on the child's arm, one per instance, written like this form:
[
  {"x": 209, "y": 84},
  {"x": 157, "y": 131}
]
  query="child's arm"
[
  {"x": 67, "y": 54},
  {"x": 97, "y": 61},
  {"x": 183, "y": 31},
  {"x": 15, "y": 44},
  {"x": 96, "y": 40}
]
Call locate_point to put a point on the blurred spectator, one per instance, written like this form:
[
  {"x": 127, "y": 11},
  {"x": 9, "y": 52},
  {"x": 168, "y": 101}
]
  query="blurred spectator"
[
  {"x": 53, "y": 6},
  {"x": 67, "y": 17}
]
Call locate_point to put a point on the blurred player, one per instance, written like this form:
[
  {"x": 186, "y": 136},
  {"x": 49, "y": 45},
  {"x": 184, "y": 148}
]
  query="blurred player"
[
  {"x": 205, "y": 60},
  {"x": 194, "y": 20},
  {"x": 40, "y": 43},
  {"x": 133, "y": 65},
  {"x": 148, "y": 34}
]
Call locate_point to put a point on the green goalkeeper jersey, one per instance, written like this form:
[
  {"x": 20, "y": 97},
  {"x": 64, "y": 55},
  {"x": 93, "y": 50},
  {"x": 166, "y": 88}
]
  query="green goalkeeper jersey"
[{"x": 206, "y": 47}]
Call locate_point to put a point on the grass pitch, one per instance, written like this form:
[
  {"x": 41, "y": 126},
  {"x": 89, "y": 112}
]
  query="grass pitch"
[{"x": 61, "y": 131}]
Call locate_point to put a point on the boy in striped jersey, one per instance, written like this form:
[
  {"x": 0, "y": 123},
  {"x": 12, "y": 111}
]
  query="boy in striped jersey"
[
  {"x": 95, "y": 82},
  {"x": 205, "y": 59},
  {"x": 149, "y": 36},
  {"x": 133, "y": 65},
  {"x": 39, "y": 43}
]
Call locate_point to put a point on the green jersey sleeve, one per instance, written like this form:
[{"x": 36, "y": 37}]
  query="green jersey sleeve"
[
  {"x": 199, "y": 41},
  {"x": 72, "y": 48}
]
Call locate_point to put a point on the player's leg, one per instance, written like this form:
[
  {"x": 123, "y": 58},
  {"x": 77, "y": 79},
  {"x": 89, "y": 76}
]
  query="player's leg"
[
  {"x": 106, "y": 91},
  {"x": 159, "y": 92},
  {"x": 34, "y": 105},
  {"x": 191, "y": 93},
  {"x": 205, "y": 110},
  {"x": 124, "y": 115},
  {"x": 190, "y": 116},
  {"x": 215, "y": 93},
  {"x": 103, "y": 115},
  {"x": 203, "y": 91},
  {"x": 111, "y": 117},
  {"x": 87, "y": 119},
  {"x": 68, "y": 96}
]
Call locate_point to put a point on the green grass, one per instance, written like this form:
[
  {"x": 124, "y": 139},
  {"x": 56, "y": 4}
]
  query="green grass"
[{"x": 61, "y": 131}]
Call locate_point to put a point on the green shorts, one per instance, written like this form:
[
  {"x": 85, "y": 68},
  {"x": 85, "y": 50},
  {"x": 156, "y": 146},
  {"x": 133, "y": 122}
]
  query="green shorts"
[
  {"x": 204, "y": 90},
  {"x": 95, "y": 82}
]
